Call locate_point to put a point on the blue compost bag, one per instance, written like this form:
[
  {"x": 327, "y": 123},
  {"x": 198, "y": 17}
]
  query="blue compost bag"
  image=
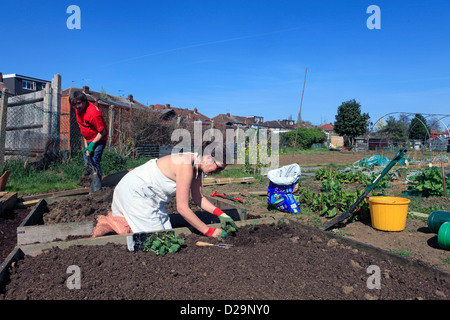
[{"x": 283, "y": 182}]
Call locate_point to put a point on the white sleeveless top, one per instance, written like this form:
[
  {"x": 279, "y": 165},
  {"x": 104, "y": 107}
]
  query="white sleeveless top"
[{"x": 141, "y": 195}]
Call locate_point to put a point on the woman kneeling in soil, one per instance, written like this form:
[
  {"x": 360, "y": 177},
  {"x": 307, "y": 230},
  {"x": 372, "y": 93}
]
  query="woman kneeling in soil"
[{"x": 139, "y": 199}]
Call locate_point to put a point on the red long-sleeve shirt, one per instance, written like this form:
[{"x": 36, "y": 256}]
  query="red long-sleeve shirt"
[{"x": 91, "y": 122}]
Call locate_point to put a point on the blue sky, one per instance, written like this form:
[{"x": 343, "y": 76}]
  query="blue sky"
[{"x": 242, "y": 57}]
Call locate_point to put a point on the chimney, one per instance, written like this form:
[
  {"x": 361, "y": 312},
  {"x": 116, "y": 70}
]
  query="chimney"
[
  {"x": 85, "y": 89},
  {"x": 195, "y": 110},
  {"x": 167, "y": 106},
  {"x": 1, "y": 77},
  {"x": 130, "y": 97},
  {"x": 228, "y": 114}
]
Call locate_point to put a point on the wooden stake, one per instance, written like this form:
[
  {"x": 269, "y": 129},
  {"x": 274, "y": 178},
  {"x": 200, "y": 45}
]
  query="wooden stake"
[{"x": 443, "y": 179}]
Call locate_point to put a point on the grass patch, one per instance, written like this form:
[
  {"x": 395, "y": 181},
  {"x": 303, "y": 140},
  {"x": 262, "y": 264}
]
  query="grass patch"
[
  {"x": 417, "y": 204},
  {"x": 236, "y": 171},
  {"x": 316, "y": 151},
  {"x": 400, "y": 252},
  {"x": 25, "y": 178},
  {"x": 334, "y": 165}
]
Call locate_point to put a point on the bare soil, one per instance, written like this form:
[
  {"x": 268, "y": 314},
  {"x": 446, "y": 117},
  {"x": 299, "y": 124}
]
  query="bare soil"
[
  {"x": 267, "y": 262},
  {"x": 84, "y": 208},
  {"x": 325, "y": 158},
  {"x": 9, "y": 221}
]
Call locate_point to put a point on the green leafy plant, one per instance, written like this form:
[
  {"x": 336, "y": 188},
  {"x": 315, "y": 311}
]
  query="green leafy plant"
[
  {"x": 430, "y": 182},
  {"x": 306, "y": 195},
  {"x": 334, "y": 202},
  {"x": 348, "y": 177},
  {"x": 331, "y": 185},
  {"x": 162, "y": 243}
]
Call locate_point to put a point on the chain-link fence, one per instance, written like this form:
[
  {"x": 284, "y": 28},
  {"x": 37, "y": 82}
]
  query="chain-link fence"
[{"x": 30, "y": 123}]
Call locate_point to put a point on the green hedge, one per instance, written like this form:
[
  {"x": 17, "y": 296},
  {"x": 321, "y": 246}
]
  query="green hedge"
[{"x": 305, "y": 137}]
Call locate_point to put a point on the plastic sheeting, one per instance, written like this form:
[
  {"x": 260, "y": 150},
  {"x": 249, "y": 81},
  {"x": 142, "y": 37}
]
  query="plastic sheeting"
[
  {"x": 286, "y": 175},
  {"x": 378, "y": 160}
]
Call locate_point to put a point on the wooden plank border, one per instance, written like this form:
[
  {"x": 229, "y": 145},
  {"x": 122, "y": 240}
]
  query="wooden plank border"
[{"x": 32, "y": 229}]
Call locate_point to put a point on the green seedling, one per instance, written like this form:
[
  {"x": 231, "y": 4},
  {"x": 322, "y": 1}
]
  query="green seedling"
[
  {"x": 251, "y": 227},
  {"x": 277, "y": 224},
  {"x": 162, "y": 243}
]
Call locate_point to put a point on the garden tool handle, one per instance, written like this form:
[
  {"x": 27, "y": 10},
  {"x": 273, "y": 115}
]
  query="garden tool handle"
[
  {"x": 215, "y": 193},
  {"x": 388, "y": 167},
  {"x": 400, "y": 154},
  {"x": 204, "y": 244}
]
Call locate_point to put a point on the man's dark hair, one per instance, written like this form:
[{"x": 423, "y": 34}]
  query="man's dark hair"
[{"x": 75, "y": 96}]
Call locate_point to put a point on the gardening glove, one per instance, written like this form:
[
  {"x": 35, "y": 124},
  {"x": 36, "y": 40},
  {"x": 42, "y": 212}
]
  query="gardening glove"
[
  {"x": 216, "y": 233},
  {"x": 226, "y": 222},
  {"x": 90, "y": 148}
]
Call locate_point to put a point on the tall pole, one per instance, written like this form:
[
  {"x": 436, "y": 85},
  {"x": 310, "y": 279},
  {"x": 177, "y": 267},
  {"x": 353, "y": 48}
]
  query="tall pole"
[
  {"x": 3, "y": 123},
  {"x": 299, "y": 119}
]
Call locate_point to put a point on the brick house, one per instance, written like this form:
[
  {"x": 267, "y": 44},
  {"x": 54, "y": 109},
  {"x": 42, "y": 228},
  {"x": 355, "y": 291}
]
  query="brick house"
[{"x": 327, "y": 127}]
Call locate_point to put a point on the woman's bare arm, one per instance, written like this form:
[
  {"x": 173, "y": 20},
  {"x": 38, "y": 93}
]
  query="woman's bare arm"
[
  {"x": 184, "y": 176},
  {"x": 197, "y": 196}
]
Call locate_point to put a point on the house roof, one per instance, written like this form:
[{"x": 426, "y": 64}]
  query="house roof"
[
  {"x": 237, "y": 120},
  {"x": 327, "y": 127},
  {"x": 107, "y": 98},
  {"x": 233, "y": 120},
  {"x": 229, "y": 119},
  {"x": 166, "y": 114},
  {"x": 15, "y": 75},
  {"x": 274, "y": 124},
  {"x": 193, "y": 115}
]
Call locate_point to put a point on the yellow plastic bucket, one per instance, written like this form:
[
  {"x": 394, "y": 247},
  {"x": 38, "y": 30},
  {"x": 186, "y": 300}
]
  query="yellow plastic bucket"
[{"x": 388, "y": 213}]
